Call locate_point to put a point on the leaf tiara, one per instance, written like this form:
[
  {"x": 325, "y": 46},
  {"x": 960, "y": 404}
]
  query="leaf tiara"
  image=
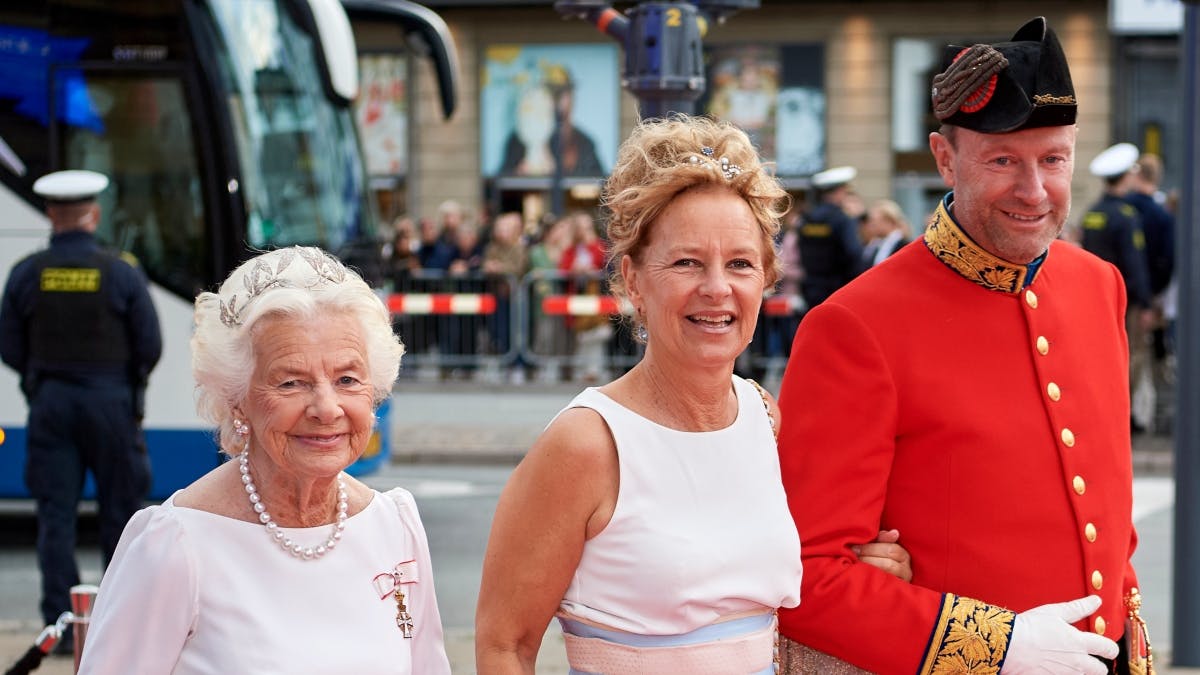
[
  {"x": 261, "y": 278},
  {"x": 726, "y": 168}
]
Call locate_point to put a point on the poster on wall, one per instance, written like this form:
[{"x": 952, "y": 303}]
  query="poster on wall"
[
  {"x": 522, "y": 86},
  {"x": 382, "y": 113},
  {"x": 776, "y": 94}
]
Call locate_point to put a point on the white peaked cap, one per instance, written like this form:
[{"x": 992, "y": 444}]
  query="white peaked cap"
[
  {"x": 1114, "y": 161},
  {"x": 70, "y": 186},
  {"x": 838, "y": 175}
]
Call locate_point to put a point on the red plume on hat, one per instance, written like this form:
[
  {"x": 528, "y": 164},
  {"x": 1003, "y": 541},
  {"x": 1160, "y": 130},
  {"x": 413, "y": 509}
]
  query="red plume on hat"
[{"x": 1006, "y": 86}]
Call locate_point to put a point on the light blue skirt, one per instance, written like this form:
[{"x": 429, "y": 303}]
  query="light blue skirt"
[{"x": 709, "y": 633}]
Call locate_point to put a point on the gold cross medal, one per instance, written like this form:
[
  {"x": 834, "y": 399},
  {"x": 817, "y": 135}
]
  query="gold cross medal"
[
  {"x": 403, "y": 620},
  {"x": 392, "y": 583}
]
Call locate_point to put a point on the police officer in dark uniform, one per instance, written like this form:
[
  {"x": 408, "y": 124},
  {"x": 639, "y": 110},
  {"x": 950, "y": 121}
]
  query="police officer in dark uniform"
[
  {"x": 1159, "y": 227},
  {"x": 1112, "y": 229},
  {"x": 78, "y": 326},
  {"x": 830, "y": 250}
]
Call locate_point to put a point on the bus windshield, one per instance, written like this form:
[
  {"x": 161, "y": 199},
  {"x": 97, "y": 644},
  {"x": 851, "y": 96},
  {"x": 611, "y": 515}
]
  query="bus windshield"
[{"x": 302, "y": 175}]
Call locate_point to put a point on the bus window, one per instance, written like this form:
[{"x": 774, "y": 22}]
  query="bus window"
[
  {"x": 136, "y": 128},
  {"x": 303, "y": 181}
]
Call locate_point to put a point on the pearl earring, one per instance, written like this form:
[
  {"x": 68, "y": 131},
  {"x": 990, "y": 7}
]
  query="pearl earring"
[{"x": 241, "y": 428}]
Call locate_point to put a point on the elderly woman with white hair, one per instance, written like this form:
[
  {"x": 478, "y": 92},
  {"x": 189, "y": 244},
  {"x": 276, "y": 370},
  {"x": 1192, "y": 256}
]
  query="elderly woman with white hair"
[{"x": 278, "y": 561}]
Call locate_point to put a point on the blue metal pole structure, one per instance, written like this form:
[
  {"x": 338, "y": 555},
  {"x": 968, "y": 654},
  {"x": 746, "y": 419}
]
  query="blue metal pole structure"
[
  {"x": 1186, "y": 638},
  {"x": 663, "y": 43}
]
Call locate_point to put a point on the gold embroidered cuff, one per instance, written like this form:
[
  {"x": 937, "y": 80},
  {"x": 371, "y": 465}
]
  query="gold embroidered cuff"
[
  {"x": 956, "y": 250},
  {"x": 970, "y": 637}
]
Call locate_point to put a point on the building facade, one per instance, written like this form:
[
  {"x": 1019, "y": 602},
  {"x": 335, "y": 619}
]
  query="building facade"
[{"x": 821, "y": 84}]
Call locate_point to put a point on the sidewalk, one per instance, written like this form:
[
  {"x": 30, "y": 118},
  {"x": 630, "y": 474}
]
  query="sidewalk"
[
  {"x": 473, "y": 422},
  {"x": 459, "y": 646}
]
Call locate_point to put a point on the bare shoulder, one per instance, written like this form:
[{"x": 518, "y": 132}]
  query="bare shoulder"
[
  {"x": 358, "y": 494},
  {"x": 577, "y": 435},
  {"x": 571, "y": 468},
  {"x": 218, "y": 492}
]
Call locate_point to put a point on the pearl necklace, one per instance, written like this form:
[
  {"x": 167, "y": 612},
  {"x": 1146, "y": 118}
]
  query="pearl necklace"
[{"x": 285, "y": 542}]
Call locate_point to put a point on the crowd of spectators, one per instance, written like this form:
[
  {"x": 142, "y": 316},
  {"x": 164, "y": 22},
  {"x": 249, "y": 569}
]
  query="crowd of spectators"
[{"x": 459, "y": 254}]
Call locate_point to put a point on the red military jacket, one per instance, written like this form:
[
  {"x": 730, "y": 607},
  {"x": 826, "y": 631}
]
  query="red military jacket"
[{"x": 989, "y": 423}]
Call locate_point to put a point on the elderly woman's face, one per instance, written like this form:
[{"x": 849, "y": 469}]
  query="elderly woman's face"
[
  {"x": 309, "y": 405},
  {"x": 699, "y": 279}
]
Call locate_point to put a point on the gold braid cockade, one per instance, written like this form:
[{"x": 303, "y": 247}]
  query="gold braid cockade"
[
  {"x": 970, "y": 71},
  {"x": 261, "y": 278},
  {"x": 950, "y": 245}
]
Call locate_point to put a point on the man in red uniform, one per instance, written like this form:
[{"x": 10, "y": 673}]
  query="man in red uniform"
[{"x": 972, "y": 393}]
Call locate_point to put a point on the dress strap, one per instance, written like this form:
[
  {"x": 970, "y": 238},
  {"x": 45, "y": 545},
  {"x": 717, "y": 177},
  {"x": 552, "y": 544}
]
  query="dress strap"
[{"x": 766, "y": 404}]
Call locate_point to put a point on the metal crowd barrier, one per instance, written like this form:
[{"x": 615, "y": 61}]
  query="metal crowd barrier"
[
  {"x": 548, "y": 325},
  {"x": 453, "y": 324}
]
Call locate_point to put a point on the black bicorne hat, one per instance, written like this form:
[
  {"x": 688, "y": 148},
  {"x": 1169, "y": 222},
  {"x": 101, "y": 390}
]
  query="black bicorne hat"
[{"x": 1007, "y": 86}]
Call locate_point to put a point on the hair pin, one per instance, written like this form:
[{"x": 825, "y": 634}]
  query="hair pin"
[{"x": 728, "y": 169}]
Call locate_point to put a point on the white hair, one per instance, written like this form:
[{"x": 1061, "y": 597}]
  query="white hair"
[{"x": 299, "y": 282}]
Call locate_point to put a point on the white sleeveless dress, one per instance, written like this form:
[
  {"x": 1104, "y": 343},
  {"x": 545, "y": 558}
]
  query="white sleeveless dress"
[{"x": 701, "y": 529}]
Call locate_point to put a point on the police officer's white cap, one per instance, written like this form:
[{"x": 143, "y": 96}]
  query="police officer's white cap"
[
  {"x": 831, "y": 178},
  {"x": 1114, "y": 161},
  {"x": 70, "y": 186}
]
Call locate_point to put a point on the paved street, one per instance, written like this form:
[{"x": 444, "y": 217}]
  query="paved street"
[{"x": 475, "y": 435}]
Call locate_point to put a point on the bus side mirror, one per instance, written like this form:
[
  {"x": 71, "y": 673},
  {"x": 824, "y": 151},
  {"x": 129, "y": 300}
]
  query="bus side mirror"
[{"x": 427, "y": 36}]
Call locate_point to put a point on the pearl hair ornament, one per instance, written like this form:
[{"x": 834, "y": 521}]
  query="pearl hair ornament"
[
  {"x": 277, "y": 534},
  {"x": 727, "y": 169}
]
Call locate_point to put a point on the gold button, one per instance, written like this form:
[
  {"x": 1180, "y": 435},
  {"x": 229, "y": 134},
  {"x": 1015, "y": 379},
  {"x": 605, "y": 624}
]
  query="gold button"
[
  {"x": 1053, "y": 391},
  {"x": 1100, "y": 625},
  {"x": 1089, "y": 531},
  {"x": 1097, "y": 579},
  {"x": 1079, "y": 485},
  {"x": 1043, "y": 345},
  {"x": 1031, "y": 299},
  {"x": 1068, "y": 438}
]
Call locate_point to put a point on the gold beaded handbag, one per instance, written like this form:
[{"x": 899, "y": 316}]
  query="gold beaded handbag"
[{"x": 798, "y": 659}]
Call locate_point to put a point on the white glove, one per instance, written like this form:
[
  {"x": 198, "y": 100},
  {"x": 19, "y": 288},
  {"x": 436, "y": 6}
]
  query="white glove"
[{"x": 1044, "y": 642}]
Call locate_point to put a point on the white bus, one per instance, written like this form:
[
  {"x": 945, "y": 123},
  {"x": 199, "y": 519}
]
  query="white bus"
[{"x": 224, "y": 126}]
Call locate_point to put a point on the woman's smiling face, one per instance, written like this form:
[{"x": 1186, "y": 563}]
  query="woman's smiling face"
[
  {"x": 699, "y": 279},
  {"x": 310, "y": 404}
]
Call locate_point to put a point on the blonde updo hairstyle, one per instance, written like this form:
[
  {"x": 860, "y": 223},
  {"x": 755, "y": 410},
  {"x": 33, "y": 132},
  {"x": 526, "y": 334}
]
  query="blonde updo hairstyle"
[
  {"x": 655, "y": 165},
  {"x": 298, "y": 282}
]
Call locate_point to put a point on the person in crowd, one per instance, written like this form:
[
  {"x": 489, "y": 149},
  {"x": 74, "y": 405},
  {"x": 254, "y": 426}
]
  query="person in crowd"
[
  {"x": 550, "y": 335},
  {"x": 436, "y": 250},
  {"x": 79, "y": 328},
  {"x": 829, "y": 247},
  {"x": 468, "y": 249},
  {"x": 886, "y": 231},
  {"x": 459, "y": 335},
  {"x": 649, "y": 516},
  {"x": 584, "y": 261},
  {"x": 400, "y": 252},
  {"x": 971, "y": 392},
  {"x": 779, "y": 329},
  {"x": 505, "y": 260},
  {"x": 1112, "y": 229},
  {"x": 1159, "y": 227},
  {"x": 402, "y": 265},
  {"x": 277, "y": 561}
]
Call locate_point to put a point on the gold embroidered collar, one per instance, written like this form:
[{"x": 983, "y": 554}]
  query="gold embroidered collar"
[{"x": 946, "y": 240}]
